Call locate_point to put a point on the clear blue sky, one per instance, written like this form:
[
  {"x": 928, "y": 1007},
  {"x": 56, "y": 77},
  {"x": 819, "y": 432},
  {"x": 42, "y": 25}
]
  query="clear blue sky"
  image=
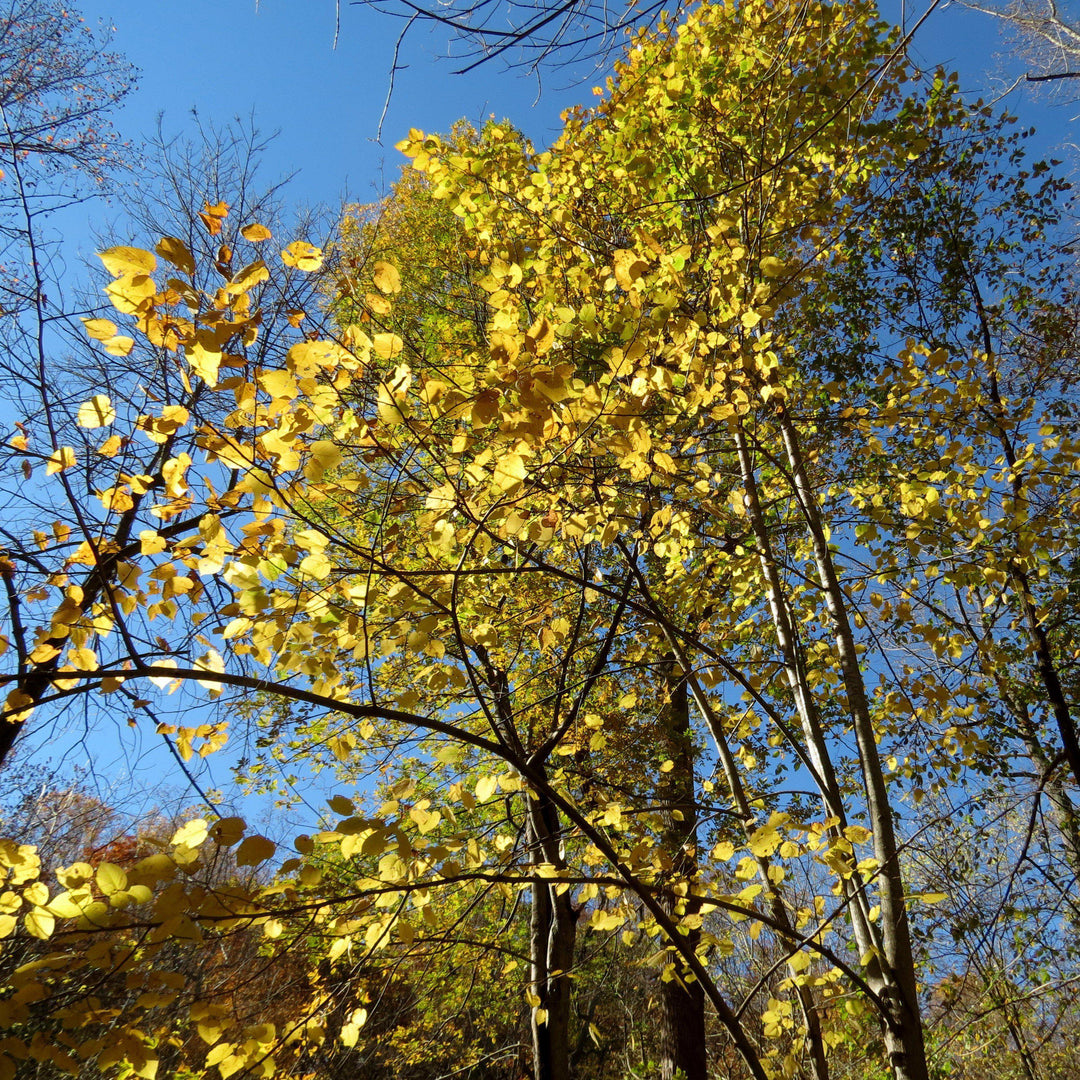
[
  {"x": 231, "y": 57},
  {"x": 228, "y": 58}
]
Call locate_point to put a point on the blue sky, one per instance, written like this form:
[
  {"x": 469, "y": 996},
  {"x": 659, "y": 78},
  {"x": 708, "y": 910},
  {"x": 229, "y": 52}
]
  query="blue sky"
[
  {"x": 226, "y": 58},
  {"x": 276, "y": 60}
]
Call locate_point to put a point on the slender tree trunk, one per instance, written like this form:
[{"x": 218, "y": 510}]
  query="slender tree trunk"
[
  {"x": 552, "y": 938},
  {"x": 682, "y": 999},
  {"x": 1056, "y": 698},
  {"x": 539, "y": 924},
  {"x": 1063, "y": 810},
  {"x": 890, "y": 971},
  {"x": 1048, "y": 676},
  {"x": 903, "y": 1029},
  {"x": 808, "y": 1003}
]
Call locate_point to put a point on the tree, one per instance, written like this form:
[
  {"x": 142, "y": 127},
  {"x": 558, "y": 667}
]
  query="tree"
[
  {"x": 1051, "y": 39},
  {"x": 58, "y": 84},
  {"x": 441, "y": 302},
  {"x": 201, "y": 177},
  {"x": 620, "y": 515}
]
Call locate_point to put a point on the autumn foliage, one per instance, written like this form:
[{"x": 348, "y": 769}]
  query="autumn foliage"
[{"x": 664, "y": 535}]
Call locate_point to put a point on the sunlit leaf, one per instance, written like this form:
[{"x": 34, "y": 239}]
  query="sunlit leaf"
[
  {"x": 386, "y": 278},
  {"x": 128, "y": 260},
  {"x": 59, "y": 460},
  {"x": 176, "y": 252},
  {"x": 97, "y": 412},
  {"x": 255, "y": 233},
  {"x": 302, "y": 256}
]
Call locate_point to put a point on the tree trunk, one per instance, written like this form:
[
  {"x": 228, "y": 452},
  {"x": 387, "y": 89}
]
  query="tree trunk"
[
  {"x": 682, "y": 1001},
  {"x": 890, "y": 972},
  {"x": 902, "y": 1021},
  {"x": 552, "y": 937},
  {"x": 808, "y": 1003}
]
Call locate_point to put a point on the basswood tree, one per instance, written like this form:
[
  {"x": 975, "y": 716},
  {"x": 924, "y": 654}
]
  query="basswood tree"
[
  {"x": 442, "y": 302},
  {"x": 620, "y": 517}
]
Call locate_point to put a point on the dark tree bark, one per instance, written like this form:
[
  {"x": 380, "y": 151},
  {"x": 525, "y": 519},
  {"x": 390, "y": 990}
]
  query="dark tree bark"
[
  {"x": 552, "y": 938},
  {"x": 682, "y": 999}
]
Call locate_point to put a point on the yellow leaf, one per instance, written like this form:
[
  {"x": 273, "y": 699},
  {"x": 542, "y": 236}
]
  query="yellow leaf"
[
  {"x": 149, "y": 1067},
  {"x": 128, "y": 260},
  {"x": 60, "y": 460},
  {"x": 306, "y": 357},
  {"x": 485, "y": 788},
  {"x": 150, "y": 542},
  {"x": 83, "y": 659},
  {"x": 387, "y": 345},
  {"x": 386, "y": 278},
  {"x": 933, "y": 897},
  {"x": 228, "y": 831},
  {"x": 325, "y": 454},
  {"x": 159, "y": 429},
  {"x": 606, "y": 920},
  {"x": 211, "y": 661},
  {"x": 772, "y": 266},
  {"x": 278, "y": 383},
  {"x": 628, "y": 267},
  {"x": 255, "y": 233},
  {"x": 377, "y": 305},
  {"x": 203, "y": 353},
  {"x": 75, "y": 875},
  {"x": 212, "y": 216},
  {"x": 190, "y": 835},
  {"x": 131, "y": 293},
  {"x": 764, "y": 841},
  {"x": 100, "y": 329},
  {"x": 541, "y": 336},
  {"x": 340, "y": 805},
  {"x": 504, "y": 347},
  {"x": 255, "y": 850},
  {"x": 246, "y": 279},
  {"x": 39, "y": 923},
  {"x": 218, "y": 1054},
  {"x": 509, "y": 472},
  {"x": 162, "y": 681},
  {"x": 119, "y": 345},
  {"x": 37, "y": 894},
  {"x": 19, "y": 706},
  {"x": 800, "y": 961},
  {"x": 110, "y": 878},
  {"x": 65, "y": 905},
  {"x": 97, "y": 412},
  {"x": 175, "y": 251},
  {"x": 302, "y": 256}
]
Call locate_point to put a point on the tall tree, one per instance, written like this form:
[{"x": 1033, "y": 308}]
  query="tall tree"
[{"x": 616, "y": 518}]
